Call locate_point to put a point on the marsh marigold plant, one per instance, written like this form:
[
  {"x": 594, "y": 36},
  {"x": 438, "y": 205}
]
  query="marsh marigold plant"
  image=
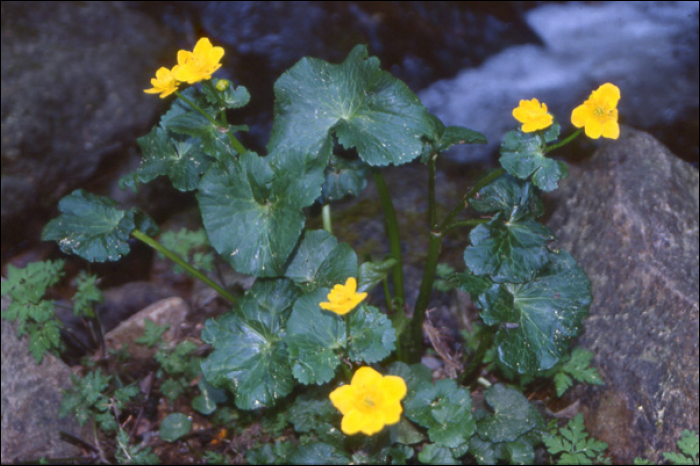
[
  {"x": 343, "y": 298},
  {"x": 598, "y": 114},
  {"x": 370, "y": 402},
  {"x": 532, "y": 115}
]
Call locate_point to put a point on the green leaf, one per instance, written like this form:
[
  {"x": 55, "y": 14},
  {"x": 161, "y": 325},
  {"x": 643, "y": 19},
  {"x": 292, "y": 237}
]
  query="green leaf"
[
  {"x": 445, "y": 410},
  {"x": 579, "y": 368},
  {"x": 689, "y": 446},
  {"x": 28, "y": 285},
  {"x": 268, "y": 454},
  {"x": 508, "y": 251},
  {"x": 44, "y": 338},
  {"x": 152, "y": 333},
  {"x": 365, "y": 107},
  {"x": 174, "y": 427},
  {"x": 512, "y": 416},
  {"x": 191, "y": 246},
  {"x": 372, "y": 337},
  {"x": 319, "y": 261},
  {"x": 314, "y": 339},
  {"x": 442, "y": 138},
  {"x": 133, "y": 454},
  {"x": 539, "y": 317},
  {"x": 344, "y": 178},
  {"x": 573, "y": 444},
  {"x": 522, "y": 155},
  {"x": 92, "y": 227},
  {"x": 250, "y": 357},
  {"x": 252, "y": 208},
  {"x": 400, "y": 454},
  {"x": 231, "y": 97},
  {"x": 318, "y": 453},
  {"x": 210, "y": 396},
  {"x": 373, "y": 273},
  {"x": 313, "y": 411},
  {"x": 183, "y": 119},
  {"x": 87, "y": 295},
  {"x": 435, "y": 454},
  {"x": 516, "y": 199},
  {"x": 176, "y": 156},
  {"x": 406, "y": 433}
]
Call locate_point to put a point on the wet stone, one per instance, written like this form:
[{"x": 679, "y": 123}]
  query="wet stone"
[{"x": 629, "y": 216}]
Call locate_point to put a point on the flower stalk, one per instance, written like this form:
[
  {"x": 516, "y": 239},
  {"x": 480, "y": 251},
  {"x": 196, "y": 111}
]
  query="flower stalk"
[
  {"x": 139, "y": 235},
  {"x": 392, "y": 230}
]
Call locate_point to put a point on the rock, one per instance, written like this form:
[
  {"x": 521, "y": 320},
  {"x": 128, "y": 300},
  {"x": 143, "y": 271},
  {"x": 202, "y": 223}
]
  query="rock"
[
  {"x": 72, "y": 96},
  {"x": 585, "y": 45},
  {"x": 31, "y": 396},
  {"x": 120, "y": 303},
  {"x": 630, "y": 217},
  {"x": 171, "y": 312}
]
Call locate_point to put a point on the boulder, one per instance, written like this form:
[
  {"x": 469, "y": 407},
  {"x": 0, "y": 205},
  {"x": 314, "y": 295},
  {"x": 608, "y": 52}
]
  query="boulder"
[
  {"x": 629, "y": 215},
  {"x": 73, "y": 76}
]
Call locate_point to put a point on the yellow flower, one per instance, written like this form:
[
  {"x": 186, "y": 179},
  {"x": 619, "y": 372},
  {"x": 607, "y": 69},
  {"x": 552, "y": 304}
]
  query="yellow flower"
[
  {"x": 343, "y": 298},
  {"x": 532, "y": 115},
  {"x": 599, "y": 113},
  {"x": 199, "y": 64},
  {"x": 164, "y": 83},
  {"x": 370, "y": 401}
]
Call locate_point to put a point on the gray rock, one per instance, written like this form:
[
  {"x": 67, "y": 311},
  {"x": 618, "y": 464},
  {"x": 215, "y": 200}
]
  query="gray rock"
[
  {"x": 630, "y": 217},
  {"x": 648, "y": 50},
  {"x": 73, "y": 76},
  {"x": 31, "y": 396}
]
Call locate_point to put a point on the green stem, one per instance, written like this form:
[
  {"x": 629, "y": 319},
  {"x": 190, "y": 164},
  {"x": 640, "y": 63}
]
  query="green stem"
[
  {"x": 465, "y": 223},
  {"x": 175, "y": 258},
  {"x": 563, "y": 142},
  {"x": 484, "y": 344},
  {"x": 392, "y": 230},
  {"x": 234, "y": 142},
  {"x": 326, "y": 214},
  {"x": 483, "y": 181},
  {"x": 414, "y": 344}
]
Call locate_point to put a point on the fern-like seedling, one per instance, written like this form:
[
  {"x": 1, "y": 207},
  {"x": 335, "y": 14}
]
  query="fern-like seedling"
[
  {"x": 577, "y": 368},
  {"x": 688, "y": 445},
  {"x": 35, "y": 315},
  {"x": 572, "y": 445},
  {"x": 192, "y": 246}
]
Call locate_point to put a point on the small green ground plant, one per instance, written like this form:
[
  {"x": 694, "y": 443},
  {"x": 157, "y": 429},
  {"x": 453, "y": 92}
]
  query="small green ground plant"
[{"x": 303, "y": 346}]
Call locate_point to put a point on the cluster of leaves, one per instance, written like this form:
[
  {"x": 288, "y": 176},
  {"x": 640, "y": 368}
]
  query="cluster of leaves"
[
  {"x": 35, "y": 314},
  {"x": 192, "y": 246},
  {"x": 689, "y": 445},
  {"x": 572, "y": 445},
  {"x": 93, "y": 398},
  {"x": 537, "y": 297},
  {"x": 178, "y": 367}
]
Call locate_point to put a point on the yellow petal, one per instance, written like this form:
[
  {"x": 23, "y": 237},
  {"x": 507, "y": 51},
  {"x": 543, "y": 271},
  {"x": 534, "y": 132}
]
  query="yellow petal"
[
  {"x": 609, "y": 93},
  {"x": 202, "y": 46},
  {"x": 392, "y": 413},
  {"x": 352, "y": 423},
  {"x": 373, "y": 424},
  {"x": 393, "y": 388},
  {"x": 343, "y": 398},
  {"x": 365, "y": 376},
  {"x": 611, "y": 129},
  {"x": 593, "y": 128},
  {"x": 580, "y": 115}
]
